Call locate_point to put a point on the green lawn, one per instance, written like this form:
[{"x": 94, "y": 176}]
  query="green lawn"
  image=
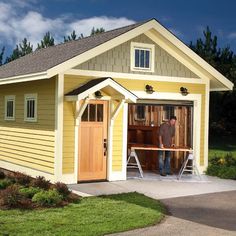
[
  {"x": 92, "y": 216},
  {"x": 220, "y": 146}
]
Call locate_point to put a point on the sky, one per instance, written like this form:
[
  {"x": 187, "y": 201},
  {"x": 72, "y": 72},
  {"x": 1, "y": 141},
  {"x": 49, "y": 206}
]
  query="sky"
[{"x": 185, "y": 18}]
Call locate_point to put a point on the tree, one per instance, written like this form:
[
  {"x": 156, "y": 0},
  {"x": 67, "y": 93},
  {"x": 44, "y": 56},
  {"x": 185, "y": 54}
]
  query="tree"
[
  {"x": 97, "y": 31},
  {"x": 222, "y": 104},
  {"x": 1, "y": 55},
  {"x": 47, "y": 41},
  {"x": 72, "y": 37},
  {"x": 20, "y": 50}
]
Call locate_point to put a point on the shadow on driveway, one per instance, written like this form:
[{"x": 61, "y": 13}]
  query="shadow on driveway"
[{"x": 214, "y": 209}]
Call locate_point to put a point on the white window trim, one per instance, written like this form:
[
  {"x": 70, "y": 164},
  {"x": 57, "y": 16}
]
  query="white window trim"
[
  {"x": 35, "y": 97},
  {"x": 143, "y": 46},
  {"x": 10, "y": 98}
]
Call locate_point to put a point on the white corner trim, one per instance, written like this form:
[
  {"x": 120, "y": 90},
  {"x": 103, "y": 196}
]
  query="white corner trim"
[
  {"x": 24, "y": 78},
  {"x": 59, "y": 100}
]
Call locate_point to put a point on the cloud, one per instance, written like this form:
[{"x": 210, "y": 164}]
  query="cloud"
[
  {"x": 19, "y": 19},
  {"x": 232, "y": 35}
]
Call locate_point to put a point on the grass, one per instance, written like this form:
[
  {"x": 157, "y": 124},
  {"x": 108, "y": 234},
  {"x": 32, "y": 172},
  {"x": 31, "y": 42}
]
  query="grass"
[
  {"x": 220, "y": 146},
  {"x": 92, "y": 216}
]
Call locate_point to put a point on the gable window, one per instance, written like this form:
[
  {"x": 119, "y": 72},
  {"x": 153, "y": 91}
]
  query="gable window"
[
  {"x": 30, "y": 110},
  {"x": 142, "y": 57},
  {"x": 10, "y": 107}
]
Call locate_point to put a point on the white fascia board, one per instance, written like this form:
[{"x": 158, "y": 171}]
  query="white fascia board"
[
  {"x": 175, "y": 41},
  {"x": 107, "y": 82},
  {"x": 24, "y": 78}
]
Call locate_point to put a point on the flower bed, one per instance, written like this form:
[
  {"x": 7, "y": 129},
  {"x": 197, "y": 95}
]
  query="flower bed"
[{"x": 18, "y": 190}]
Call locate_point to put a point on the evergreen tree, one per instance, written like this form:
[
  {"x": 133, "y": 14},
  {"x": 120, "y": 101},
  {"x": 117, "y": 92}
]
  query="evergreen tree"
[
  {"x": 1, "y": 55},
  {"x": 97, "y": 31},
  {"x": 20, "y": 50},
  {"x": 47, "y": 41},
  {"x": 222, "y": 104},
  {"x": 72, "y": 37}
]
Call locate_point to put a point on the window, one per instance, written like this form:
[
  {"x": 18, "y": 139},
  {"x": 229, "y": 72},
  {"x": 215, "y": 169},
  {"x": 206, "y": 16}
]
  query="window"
[
  {"x": 93, "y": 113},
  {"x": 10, "y": 107},
  {"x": 31, "y": 107},
  {"x": 142, "y": 57},
  {"x": 168, "y": 112},
  {"x": 140, "y": 112}
]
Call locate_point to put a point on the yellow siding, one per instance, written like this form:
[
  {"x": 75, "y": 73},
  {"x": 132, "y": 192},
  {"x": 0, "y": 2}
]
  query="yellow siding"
[
  {"x": 117, "y": 146},
  {"x": 172, "y": 88},
  {"x": 70, "y": 83},
  {"x": 29, "y": 144},
  {"x": 118, "y": 60}
]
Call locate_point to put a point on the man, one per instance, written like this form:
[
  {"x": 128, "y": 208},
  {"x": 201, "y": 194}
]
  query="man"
[{"x": 166, "y": 137}]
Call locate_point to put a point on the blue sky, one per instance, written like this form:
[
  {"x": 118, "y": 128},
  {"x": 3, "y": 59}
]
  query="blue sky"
[{"x": 187, "y": 19}]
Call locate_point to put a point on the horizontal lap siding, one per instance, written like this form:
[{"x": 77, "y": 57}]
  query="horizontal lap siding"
[
  {"x": 70, "y": 83},
  {"x": 117, "y": 145},
  {"x": 29, "y": 144}
]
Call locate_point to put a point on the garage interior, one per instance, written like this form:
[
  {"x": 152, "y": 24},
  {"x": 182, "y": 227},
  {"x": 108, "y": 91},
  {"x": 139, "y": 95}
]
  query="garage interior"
[{"x": 144, "y": 120}]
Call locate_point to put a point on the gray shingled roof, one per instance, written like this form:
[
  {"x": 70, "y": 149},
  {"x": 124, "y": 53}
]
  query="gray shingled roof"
[{"x": 44, "y": 59}]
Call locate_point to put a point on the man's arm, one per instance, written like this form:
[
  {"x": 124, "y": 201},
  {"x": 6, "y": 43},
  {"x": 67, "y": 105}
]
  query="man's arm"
[{"x": 160, "y": 141}]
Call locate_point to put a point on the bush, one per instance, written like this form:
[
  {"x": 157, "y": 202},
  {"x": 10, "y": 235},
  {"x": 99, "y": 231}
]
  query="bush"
[
  {"x": 227, "y": 172},
  {"x": 2, "y": 175},
  {"x": 47, "y": 198},
  {"x": 41, "y": 182},
  {"x": 4, "y": 183},
  {"x": 21, "y": 178},
  {"x": 30, "y": 191},
  {"x": 223, "y": 167},
  {"x": 11, "y": 196},
  {"x": 62, "y": 189}
]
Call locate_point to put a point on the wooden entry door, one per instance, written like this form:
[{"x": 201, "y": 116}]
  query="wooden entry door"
[{"x": 93, "y": 142}]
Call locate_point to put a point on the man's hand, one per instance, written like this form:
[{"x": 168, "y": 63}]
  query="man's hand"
[
  {"x": 161, "y": 145},
  {"x": 173, "y": 145}
]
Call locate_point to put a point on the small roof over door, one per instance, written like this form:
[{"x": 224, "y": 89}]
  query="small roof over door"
[{"x": 109, "y": 86}]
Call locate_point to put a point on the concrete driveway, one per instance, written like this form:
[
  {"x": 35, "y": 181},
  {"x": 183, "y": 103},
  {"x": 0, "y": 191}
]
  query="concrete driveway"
[
  {"x": 195, "y": 208},
  {"x": 201, "y": 215}
]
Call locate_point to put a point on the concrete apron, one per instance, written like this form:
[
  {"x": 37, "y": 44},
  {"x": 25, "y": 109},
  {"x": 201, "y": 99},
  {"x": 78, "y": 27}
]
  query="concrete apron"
[{"x": 157, "y": 188}]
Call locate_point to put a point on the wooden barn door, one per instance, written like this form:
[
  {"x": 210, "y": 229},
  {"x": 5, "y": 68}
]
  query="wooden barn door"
[{"x": 93, "y": 142}]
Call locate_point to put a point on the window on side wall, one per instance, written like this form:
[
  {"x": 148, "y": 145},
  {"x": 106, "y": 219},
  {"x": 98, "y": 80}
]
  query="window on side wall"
[
  {"x": 140, "y": 113},
  {"x": 10, "y": 107},
  {"x": 142, "y": 57},
  {"x": 30, "y": 109}
]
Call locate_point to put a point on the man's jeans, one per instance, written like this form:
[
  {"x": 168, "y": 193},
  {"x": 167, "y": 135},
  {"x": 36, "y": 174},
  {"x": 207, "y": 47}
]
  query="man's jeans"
[{"x": 164, "y": 165}]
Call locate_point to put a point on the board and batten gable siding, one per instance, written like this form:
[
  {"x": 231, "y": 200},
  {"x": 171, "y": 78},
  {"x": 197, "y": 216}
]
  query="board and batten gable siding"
[
  {"x": 118, "y": 60},
  {"x": 29, "y": 144}
]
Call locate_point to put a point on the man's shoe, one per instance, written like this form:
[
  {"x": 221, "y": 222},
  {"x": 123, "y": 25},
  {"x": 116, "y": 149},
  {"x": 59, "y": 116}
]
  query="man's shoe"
[{"x": 162, "y": 174}]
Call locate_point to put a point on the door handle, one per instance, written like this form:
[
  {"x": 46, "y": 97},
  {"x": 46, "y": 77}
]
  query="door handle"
[{"x": 105, "y": 146}]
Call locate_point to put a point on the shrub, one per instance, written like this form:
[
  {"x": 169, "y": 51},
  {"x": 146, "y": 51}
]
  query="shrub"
[
  {"x": 62, "y": 189},
  {"x": 47, "y": 198},
  {"x": 30, "y": 191},
  {"x": 227, "y": 172},
  {"x": 41, "y": 182},
  {"x": 213, "y": 170},
  {"x": 230, "y": 160},
  {"x": 4, "y": 183},
  {"x": 2, "y": 175},
  {"x": 10, "y": 196},
  {"x": 21, "y": 178}
]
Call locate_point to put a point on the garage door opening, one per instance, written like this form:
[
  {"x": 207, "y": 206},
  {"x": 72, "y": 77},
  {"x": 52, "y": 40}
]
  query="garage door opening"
[{"x": 144, "y": 120}]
